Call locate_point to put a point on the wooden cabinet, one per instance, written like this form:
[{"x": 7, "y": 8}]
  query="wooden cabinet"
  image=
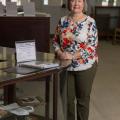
[
  {"x": 25, "y": 28},
  {"x": 107, "y": 19}
]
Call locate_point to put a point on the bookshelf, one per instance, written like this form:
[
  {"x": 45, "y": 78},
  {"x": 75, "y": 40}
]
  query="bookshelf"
[{"x": 107, "y": 19}]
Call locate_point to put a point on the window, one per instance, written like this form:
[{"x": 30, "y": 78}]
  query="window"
[
  {"x": 53, "y": 2},
  {"x": 17, "y": 1},
  {"x": 3, "y": 2},
  {"x": 115, "y": 2},
  {"x": 45, "y": 2},
  {"x": 107, "y": 2}
]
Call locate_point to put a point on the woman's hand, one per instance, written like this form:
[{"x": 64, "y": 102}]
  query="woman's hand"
[
  {"x": 68, "y": 56},
  {"x": 64, "y": 55},
  {"x": 76, "y": 55}
]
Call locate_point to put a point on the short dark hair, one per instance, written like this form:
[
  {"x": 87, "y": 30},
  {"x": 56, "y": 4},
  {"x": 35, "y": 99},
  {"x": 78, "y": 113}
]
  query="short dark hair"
[{"x": 84, "y": 9}]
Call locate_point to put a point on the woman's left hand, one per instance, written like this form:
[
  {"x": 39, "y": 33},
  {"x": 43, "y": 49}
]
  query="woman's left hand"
[
  {"x": 67, "y": 56},
  {"x": 77, "y": 55}
]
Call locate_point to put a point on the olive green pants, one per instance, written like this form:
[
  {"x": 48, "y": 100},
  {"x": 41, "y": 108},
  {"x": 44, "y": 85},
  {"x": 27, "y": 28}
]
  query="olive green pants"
[{"x": 76, "y": 84}]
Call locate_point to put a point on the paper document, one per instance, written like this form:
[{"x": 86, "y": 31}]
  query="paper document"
[
  {"x": 29, "y": 9},
  {"x": 38, "y": 64},
  {"x": 2, "y": 13},
  {"x": 25, "y": 51},
  {"x": 11, "y": 9},
  {"x": 18, "y": 110}
]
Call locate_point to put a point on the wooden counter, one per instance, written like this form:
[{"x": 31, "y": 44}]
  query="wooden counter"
[{"x": 25, "y": 28}]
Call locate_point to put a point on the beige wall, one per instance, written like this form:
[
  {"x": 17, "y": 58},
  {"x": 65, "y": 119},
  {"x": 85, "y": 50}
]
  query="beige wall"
[
  {"x": 55, "y": 2},
  {"x": 56, "y": 11}
]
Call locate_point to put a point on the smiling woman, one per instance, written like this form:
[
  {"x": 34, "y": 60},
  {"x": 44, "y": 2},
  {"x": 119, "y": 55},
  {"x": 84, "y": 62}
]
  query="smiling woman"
[
  {"x": 85, "y": 5},
  {"x": 76, "y": 39}
]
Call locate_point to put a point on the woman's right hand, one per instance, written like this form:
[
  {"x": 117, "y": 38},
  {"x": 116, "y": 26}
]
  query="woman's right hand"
[
  {"x": 60, "y": 54},
  {"x": 63, "y": 55}
]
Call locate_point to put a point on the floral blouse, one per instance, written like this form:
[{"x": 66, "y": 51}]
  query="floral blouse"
[{"x": 80, "y": 36}]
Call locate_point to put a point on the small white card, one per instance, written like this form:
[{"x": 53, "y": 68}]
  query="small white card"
[
  {"x": 29, "y": 9},
  {"x": 11, "y": 9},
  {"x": 25, "y": 51},
  {"x": 2, "y": 13}
]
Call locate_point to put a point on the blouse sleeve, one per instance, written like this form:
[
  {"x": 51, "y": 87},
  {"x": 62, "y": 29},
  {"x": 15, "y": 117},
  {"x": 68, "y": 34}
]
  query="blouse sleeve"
[
  {"x": 56, "y": 38},
  {"x": 89, "y": 52}
]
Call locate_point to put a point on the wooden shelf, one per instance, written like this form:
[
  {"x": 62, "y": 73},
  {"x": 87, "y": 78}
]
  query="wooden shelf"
[
  {"x": 25, "y": 28},
  {"x": 37, "y": 117},
  {"x": 107, "y": 19},
  {"x": 32, "y": 117},
  {"x": 98, "y": 6}
]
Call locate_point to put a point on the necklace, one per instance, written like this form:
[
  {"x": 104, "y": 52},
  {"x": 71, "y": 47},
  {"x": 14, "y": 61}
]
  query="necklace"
[{"x": 79, "y": 18}]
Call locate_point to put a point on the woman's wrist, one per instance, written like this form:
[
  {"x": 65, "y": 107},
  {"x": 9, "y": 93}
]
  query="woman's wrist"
[
  {"x": 76, "y": 56},
  {"x": 73, "y": 56},
  {"x": 58, "y": 52}
]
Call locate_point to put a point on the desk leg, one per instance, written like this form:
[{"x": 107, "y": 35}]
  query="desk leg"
[
  {"x": 9, "y": 94},
  {"x": 55, "y": 95},
  {"x": 47, "y": 92}
]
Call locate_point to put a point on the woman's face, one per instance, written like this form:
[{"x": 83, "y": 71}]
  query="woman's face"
[{"x": 76, "y": 6}]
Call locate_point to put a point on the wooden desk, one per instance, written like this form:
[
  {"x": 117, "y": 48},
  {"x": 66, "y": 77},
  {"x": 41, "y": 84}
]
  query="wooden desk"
[
  {"x": 8, "y": 80},
  {"x": 25, "y": 28}
]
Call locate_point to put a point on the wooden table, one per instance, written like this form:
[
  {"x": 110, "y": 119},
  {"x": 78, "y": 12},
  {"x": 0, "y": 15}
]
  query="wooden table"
[{"x": 9, "y": 80}]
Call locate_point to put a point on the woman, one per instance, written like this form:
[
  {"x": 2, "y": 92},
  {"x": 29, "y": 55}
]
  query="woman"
[{"x": 76, "y": 39}]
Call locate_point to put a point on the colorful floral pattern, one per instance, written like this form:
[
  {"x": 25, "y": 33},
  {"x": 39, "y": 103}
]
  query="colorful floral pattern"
[{"x": 77, "y": 36}]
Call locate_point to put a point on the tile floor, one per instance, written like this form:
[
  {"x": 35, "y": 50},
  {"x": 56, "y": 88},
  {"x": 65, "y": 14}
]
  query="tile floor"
[{"x": 105, "y": 97}]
